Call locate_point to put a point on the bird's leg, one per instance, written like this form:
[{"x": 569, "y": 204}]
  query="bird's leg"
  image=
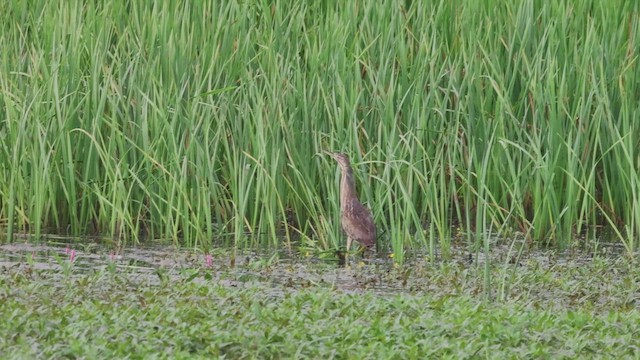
[{"x": 349, "y": 240}]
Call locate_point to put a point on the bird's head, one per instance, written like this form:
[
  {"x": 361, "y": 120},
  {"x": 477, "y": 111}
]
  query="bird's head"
[{"x": 342, "y": 159}]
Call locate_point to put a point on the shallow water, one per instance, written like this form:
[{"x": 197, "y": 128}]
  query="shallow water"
[
  {"x": 376, "y": 272},
  {"x": 150, "y": 263}
]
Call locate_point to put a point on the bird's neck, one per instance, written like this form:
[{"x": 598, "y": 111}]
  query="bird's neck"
[{"x": 347, "y": 187}]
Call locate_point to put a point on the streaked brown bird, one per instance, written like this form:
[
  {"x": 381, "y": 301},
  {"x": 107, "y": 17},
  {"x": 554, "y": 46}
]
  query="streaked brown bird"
[{"x": 356, "y": 219}]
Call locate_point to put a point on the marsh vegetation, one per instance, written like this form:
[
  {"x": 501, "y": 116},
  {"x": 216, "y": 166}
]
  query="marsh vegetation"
[
  {"x": 167, "y": 302},
  {"x": 496, "y": 143},
  {"x": 195, "y": 123}
]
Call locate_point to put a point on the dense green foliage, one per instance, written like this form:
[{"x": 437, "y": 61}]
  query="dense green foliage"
[
  {"x": 201, "y": 120},
  {"x": 573, "y": 309}
]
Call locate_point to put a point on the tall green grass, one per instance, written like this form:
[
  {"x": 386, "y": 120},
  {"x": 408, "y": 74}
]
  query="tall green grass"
[{"x": 202, "y": 121}]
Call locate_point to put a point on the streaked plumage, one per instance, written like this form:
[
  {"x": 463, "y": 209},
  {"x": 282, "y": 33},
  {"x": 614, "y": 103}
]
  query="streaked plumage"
[{"x": 356, "y": 219}]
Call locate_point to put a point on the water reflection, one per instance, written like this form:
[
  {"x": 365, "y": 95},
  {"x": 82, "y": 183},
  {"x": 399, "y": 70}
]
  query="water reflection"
[{"x": 283, "y": 270}]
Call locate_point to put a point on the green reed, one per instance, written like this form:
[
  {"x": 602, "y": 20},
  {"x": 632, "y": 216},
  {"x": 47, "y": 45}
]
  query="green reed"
[{"x": 197, "y": 122}]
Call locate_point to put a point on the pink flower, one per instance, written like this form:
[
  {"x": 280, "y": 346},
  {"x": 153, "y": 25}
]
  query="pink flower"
[
  {"x": 208, "y": 260},
  {"x": 67, "y": 250},
  {"x": 72, "y": 256}
]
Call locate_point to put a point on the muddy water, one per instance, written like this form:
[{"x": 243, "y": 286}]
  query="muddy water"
[
  {"x": 153, "y": 263},
  {"x": 459, "y": 273}
]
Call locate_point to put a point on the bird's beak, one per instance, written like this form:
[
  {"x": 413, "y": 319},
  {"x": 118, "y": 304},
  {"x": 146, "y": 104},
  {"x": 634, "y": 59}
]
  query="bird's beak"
[
  {"x": 322, "y": 153},
  {"x": 333, "y": 155}
]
